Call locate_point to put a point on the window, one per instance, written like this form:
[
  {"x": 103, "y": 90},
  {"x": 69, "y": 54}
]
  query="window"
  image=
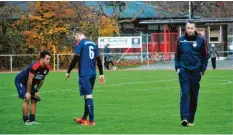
[
  {"x": 153, "y": 27},
  {"x": 201, "y": 31},
  {"x": 215, "y": 34}
]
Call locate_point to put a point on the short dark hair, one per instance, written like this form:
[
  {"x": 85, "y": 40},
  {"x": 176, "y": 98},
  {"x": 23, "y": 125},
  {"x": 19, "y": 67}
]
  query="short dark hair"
[
  {"x": 191, "y": 21},
  {"x": 44, "y": 53},
  {"x": 78, "y": 30}
]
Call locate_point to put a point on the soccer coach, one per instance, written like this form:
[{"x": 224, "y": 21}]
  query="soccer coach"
[{"x": 191, "y": 59}]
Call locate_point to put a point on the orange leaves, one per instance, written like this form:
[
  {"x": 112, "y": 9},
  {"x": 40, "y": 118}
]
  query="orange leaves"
[
  {"x": 38, "y": 5},
  {"x": 49, "y": 15},
  {"x": 36, "y": 18},
  {"x": 27, "y": 32},
  {"x": 108, "y": 27},
  {"x": 30, "y": 34},
  {"x": 57, "y": 30},
  {"x": 69, "y": 11},
  {"x": 23, "y": 17},
  {"x": 46, "y": 25},
  {"x": 49, "y": 24}
]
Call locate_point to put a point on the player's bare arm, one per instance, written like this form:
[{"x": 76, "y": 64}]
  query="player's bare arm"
[
  {"x": 29, "y": 86},
  {"x": 74, "y": 61},
  {"x": 100, "y": 67},
  {"x": 38, "y": 88},
  {"x": 40, "y": 84}
]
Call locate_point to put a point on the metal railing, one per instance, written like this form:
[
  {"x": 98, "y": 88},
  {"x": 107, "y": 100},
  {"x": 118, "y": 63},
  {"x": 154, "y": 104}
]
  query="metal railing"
[{"x": 16, "y": 62}]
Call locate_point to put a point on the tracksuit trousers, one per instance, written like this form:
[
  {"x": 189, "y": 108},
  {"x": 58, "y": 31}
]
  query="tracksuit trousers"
[{"x": 189, "y": 84}]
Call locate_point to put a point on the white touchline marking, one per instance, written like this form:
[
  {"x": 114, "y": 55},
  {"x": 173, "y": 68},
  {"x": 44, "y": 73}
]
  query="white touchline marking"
[{"x": 226, "y": 82}]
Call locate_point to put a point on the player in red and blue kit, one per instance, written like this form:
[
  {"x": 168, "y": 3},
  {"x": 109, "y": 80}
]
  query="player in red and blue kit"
[
  {"x": 86, "y": 54},
  {"x": 28, "y": 82}
]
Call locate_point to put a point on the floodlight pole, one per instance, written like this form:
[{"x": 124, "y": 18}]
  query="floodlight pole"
[
  {"x": 141, "y": 56},
  {"x": 147, "y": 49},
  {"x": 11, "y": 61},
  {"x": 190, "y": 11}
]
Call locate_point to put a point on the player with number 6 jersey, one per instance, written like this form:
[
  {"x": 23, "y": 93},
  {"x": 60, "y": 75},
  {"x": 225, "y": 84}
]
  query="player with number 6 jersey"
[{"x": 86, "y": 54}]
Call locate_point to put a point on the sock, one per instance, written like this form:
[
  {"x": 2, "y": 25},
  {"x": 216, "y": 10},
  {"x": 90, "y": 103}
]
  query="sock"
[
  {"x": 32, "y": 117},
  {"x": 25, "y": 118},
  {"x": 85, "y": 114},
  {"x": 90, "y": 107}
]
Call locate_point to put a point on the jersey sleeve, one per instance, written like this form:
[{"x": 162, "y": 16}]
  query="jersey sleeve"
[
  {"x": 97, "y": 51},
  {"x": 34, "y": 68},
  {"x": 177, "y": 55},
  {"x": 205, "y": 56}
]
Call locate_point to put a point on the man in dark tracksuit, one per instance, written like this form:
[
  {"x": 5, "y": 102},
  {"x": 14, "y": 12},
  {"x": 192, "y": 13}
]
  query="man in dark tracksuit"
[
  {"x": 108, "y": 58},
  {"x": 191, "y": 61}
]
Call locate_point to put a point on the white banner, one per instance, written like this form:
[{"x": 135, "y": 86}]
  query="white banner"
[{"x": 120, "y": 42}]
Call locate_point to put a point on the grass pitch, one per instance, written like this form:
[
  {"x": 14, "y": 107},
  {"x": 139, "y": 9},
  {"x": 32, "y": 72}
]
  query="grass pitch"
[{"x": 130, "y": 102}]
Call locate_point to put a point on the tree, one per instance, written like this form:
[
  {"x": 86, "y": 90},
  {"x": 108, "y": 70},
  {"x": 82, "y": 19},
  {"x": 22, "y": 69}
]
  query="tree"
[
  {"x": 46, "y": 26},
  {"x": 9, "y": 37},
  {"x": 2, "y": 4},
  {"x": 206, "y": 9},
  {"x": 107, "y": 27},
  {"x": 86, "y": 19},
  {"x": 113, "y": 22}
]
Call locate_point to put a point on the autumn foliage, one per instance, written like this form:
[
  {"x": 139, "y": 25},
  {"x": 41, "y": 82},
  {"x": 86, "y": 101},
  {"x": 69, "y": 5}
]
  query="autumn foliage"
[
  {"x": 108, "y": 27},
  {"x": 46, "y": 26}
]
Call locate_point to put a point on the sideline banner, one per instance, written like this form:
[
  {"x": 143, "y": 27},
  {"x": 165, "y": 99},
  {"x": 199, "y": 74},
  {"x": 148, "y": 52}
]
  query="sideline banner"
[{"x": 120, "y": 42}]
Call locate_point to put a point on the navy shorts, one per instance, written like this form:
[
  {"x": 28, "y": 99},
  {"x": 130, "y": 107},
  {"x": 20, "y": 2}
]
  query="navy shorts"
[
  {"x": 86, "y": 84},
  {"x": 22, "y": 89}
]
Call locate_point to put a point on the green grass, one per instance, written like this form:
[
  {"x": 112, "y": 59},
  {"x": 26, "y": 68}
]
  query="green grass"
[
  {"x": 129, "y": 102},
  {"x": 122, "y": 67}
]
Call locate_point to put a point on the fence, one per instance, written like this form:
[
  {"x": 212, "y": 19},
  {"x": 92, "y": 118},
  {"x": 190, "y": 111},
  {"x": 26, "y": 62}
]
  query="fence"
[
  {"x": 151, "y": 42},
  {"x": 144, "y": 60}
]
